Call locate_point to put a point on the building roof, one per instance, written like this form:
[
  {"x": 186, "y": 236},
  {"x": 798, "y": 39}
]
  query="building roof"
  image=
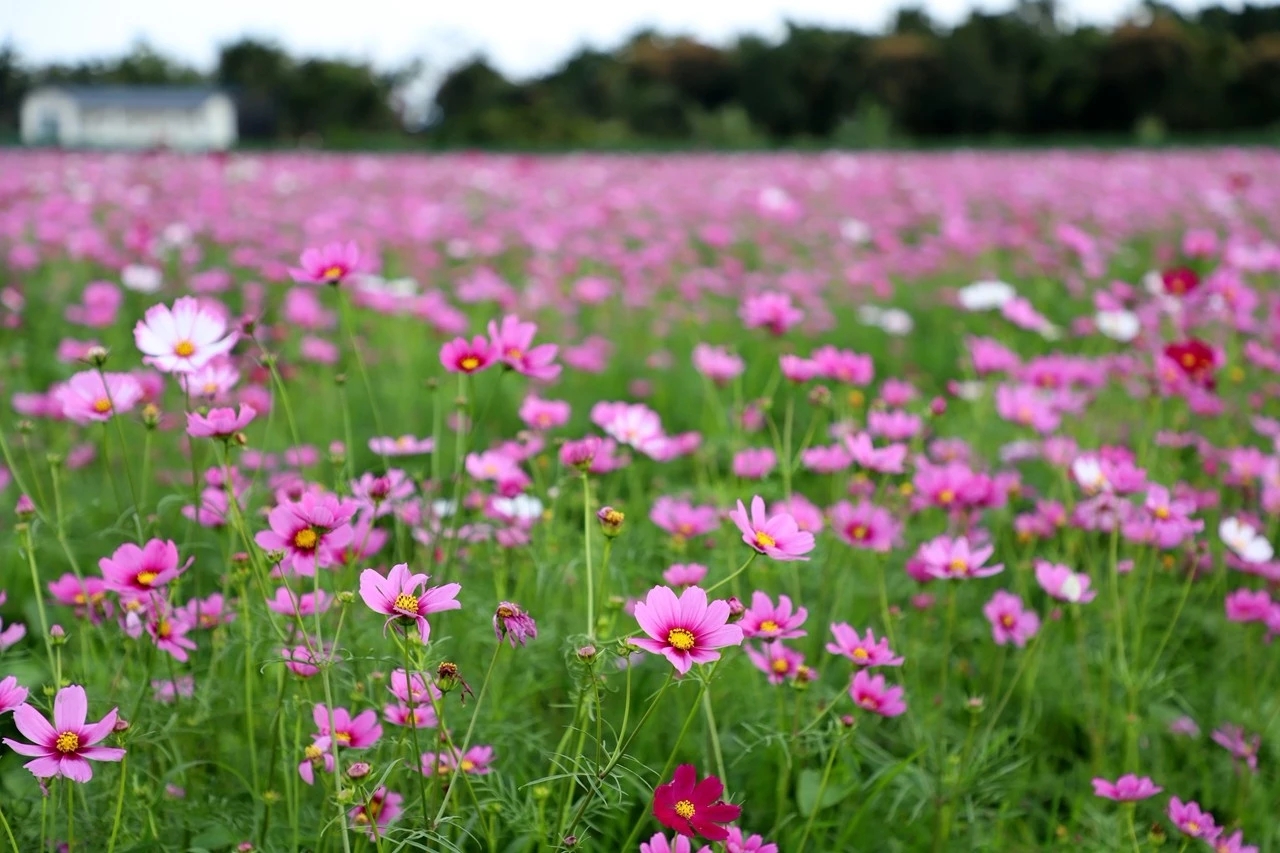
[{"x": 139, "y": 97}]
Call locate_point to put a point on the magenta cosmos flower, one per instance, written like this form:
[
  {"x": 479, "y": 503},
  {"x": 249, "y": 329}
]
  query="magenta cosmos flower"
[
  {"x": 12, "y": 694},
  {"x": 1063, "y": 584},
  {"x": 66, "y": 747},
  {"x": 1127, "y": 788},
  {"x": 870, "y": 693},
  {"x": 765, "y": 621},
  {"x": 86, "y": 397},
  {"x": 694, "y": 808},
  {"x": 378, "y": 812},
  {"x": 137, "y": 571},
  {"x": 398, "y": 596},
  {"x": 404, "y": 445},
  {"x": 462, "y": 356},
  {"x": 660, "y": 844},
  {"x": 863, "y": 651},
  {"x": 1010, "y": 622},
  {"x": 184, "y": 338},
  {"x": 311, "y": 531},
  {"x": 512, "y": 343},
  {"x": 685, "y": 630},
  {"x": 775, "y": 536},
  {"x": 329, "y": 264},
  {"x": 944, "y": 557},
  {"x": 865, "y": 525},
  {"x": 219, "y": 423},
  {"x": 1191, "y": 820}
]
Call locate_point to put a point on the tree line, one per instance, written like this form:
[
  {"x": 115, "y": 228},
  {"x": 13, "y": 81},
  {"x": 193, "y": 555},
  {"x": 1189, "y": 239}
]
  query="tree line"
[{"x": 1019, "y": 74}]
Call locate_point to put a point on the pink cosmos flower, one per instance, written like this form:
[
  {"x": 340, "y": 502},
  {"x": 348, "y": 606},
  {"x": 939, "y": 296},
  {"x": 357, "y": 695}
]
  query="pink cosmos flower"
[
  {"x": 66, "y": 747},
  {"x": 213, "y": 381},
  {"x": 1063, "y": 584},
  {"x": 845, "y": 366},
  {"x": 797, "y": 369},
  {"x": 512, "y": 343},
  {"x": 541, "y": 414},
  {"x": 88, "y": 597},
  {"x": 863, "y": 651},
  {"x": 137, "y": 571},
  {"x": 219, "y": 423},
  {"x": 1191, "y": 820},
  {"x": 826, "y": 460},
  {"x": 884, "y": 460},
  {"x": 775, "y": 660},
  {"x": 777, "y": 536},
  {"x": 381, "y": 810},
  {"x": 182, "y": 339},
  {"x": 660, "y": 844},
  {"x": 380, "y": 495},
  {"x": 765, "y": 621},
  {"x": 632, "y": 424},
  {"x": 462, "y": 356},
  {"x": 685, "y": 630},
  {"x": 404, "y": 445},
  {"x": 311, "y": 531},
  {"x": 1243, "y": 747},
  {"x": 1233, "y": 844},
  {"x": 1126, "y": 789},
  {"x": 683, "y": 519},
  {"x": 359, "y": 732},
  {"x": 512, "y": 623},
  {"x": 86, "y": 398},
  {"x": 772, "y": 311},
  {"x": 865, "y": 525},
  {"x": 12, "y": 694},
  {"x": 870, "y": 693},
  {"x": 1028, "y": 406},
  {"x": 1246, "y": 605},
  {"x": 740, "y": 842},
  {"x": 716, "y": 363},
  {"x": 894, "y": 425},
  {"x": 397, "y": 595},
  {"x": 15, "y": 632},
  {"x": 475, "y": 761},
  {"x": 684, "y": 574},
  {"x": 1009, "y": 621},
  {"x": 944, "y": 557},
  {"x": 290, "y": 603},
  {"x": 694, "y": 808},
  {"x": 168, "y": 630},
  {"x": 754, "y": 463},
  {"x": 1170, "y": 517},
  {"x": 330, "y": 264}
]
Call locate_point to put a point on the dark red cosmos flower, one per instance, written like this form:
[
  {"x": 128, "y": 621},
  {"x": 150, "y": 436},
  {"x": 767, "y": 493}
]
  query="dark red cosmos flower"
[
  {"x": 1195, "y": 358},
  {"x": 1180, "y": 281},
  {"x": 694, "y": 808}
]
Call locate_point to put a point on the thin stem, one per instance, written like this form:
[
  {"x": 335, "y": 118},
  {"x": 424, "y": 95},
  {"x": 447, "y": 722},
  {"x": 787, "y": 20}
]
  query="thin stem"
[
  {"x": 739, "y": 571},
  {"x": 466, "y": 739},
  {"x": 822, "y": 789},
  {"x": 715, "y": 734},
  {"x": 413, "y": 726},
  {"x": 586, "y": 539},
  {"x": 25, "y": 536},
  {"x": 13, "y": 842}
]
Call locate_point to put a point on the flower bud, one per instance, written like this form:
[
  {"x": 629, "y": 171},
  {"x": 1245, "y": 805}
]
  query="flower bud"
[
  {"x": 96, "y": 356},
  {"x": 587, "y": 654},
  {"x": 610, "y": 521},
  {"x": 820, "y": 396},
  {"x": 736, "y": 608},
  {"x": 359, "y": 770},
  {"x": 447, "y": 676},
  {"x": 150, "y": 415},
  {"x": 24, "y": 508}
]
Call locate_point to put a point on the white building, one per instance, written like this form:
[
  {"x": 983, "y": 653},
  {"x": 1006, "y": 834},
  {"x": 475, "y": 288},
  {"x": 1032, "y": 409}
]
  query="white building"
[{"x": 180, "y": 117}]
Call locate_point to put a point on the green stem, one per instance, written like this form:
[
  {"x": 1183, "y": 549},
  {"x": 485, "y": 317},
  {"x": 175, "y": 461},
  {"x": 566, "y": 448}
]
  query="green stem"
[
  {"x": 586, "y": 540},
  {"x": 715, "y": 734},
  {"x": 27, "y": 546},
  {"x": 413, "y": 727},
  {"x": 13, "y": 842},
  {"x": 822, "y": 789},
  {"x": 466, "y": 739},
  {"x": 739, "y": 571}
]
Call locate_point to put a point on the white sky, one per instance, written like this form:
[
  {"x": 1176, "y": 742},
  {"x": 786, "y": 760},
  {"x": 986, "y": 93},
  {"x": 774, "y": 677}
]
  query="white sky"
[{"x": 521, "y": 37}]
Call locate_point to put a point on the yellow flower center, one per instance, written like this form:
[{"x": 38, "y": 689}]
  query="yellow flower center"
[
  {"x": 906, "y": 490},
  {"x": 313, "y": 752},
  {"x": 764, "y": 540},
  {"x": 343, "y": 738},
  {"x": 333, "y": 273},
  {"x": 861, "y": 654},
  {"x": 1007, "y": 620},
  {"x": 211, "y": 388},
  {"x": 184, "y": 348},
  {"x": 467, "y": 765},
  {"x": 946, "y": 496},
  {"x": 406, "y": 602},
  {"x": 685, "y": 809},
  {"x": 79, "y": 598},
  {"x": 959, "y": 566},
  {"x": 1192, "y": 827},
  {"x": 768, "y": 626},
  {"x": 469, "y": 363},
  {"x": 102, "y": 405},
  {"x": 780, "y": 665},
  {"x": 145, "y": 578},
  {"x": 67, "y": 742},
  {"x": 514, "y": 352},
  {"x": 164, "y": 629},
  {"x": 681, "y": 639},
  {"x": 1188, "y": 360},
  {"x": 859, "y": 532},
  {"x": 305, "y": 539},
  {"x": 1162, "y": 513},
  {"x": 1024, "y": 415},
  {"x": 505, "y": 612},
  {"x": 869, "y": 702}
]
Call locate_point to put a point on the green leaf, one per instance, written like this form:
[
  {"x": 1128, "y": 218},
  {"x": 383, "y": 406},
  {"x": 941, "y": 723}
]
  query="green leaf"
[{"x": 807, "y": 790}]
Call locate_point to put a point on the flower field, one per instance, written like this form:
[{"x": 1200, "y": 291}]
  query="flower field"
[{"x": 877, "y": 502}]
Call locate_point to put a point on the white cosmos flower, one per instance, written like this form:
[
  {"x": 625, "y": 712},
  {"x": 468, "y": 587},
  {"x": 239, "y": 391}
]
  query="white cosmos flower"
[
  {"x": 1119, "y": 325},
  {"x": 896, "y": 322},
  {"x": 1071, "y": 588},
  {"x": 1247, "y": 543},
  {"x": 139, "y": 278},
  {"x": 524, "y": 507},
  {"x": 443, "y": 508},
  {"x": 1088, "y": 473},
  {"x": 970, "y": 389},
  {"x": 855, "y": 231},
  {"x": 986, "y": 295}
]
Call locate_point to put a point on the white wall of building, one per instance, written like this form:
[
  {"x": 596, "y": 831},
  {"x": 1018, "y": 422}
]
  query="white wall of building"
[{"x": 51, "y": 117}]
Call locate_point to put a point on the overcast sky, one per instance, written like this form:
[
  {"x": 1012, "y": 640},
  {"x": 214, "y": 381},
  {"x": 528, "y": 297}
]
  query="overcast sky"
[{"x": 521, "y": 37}]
